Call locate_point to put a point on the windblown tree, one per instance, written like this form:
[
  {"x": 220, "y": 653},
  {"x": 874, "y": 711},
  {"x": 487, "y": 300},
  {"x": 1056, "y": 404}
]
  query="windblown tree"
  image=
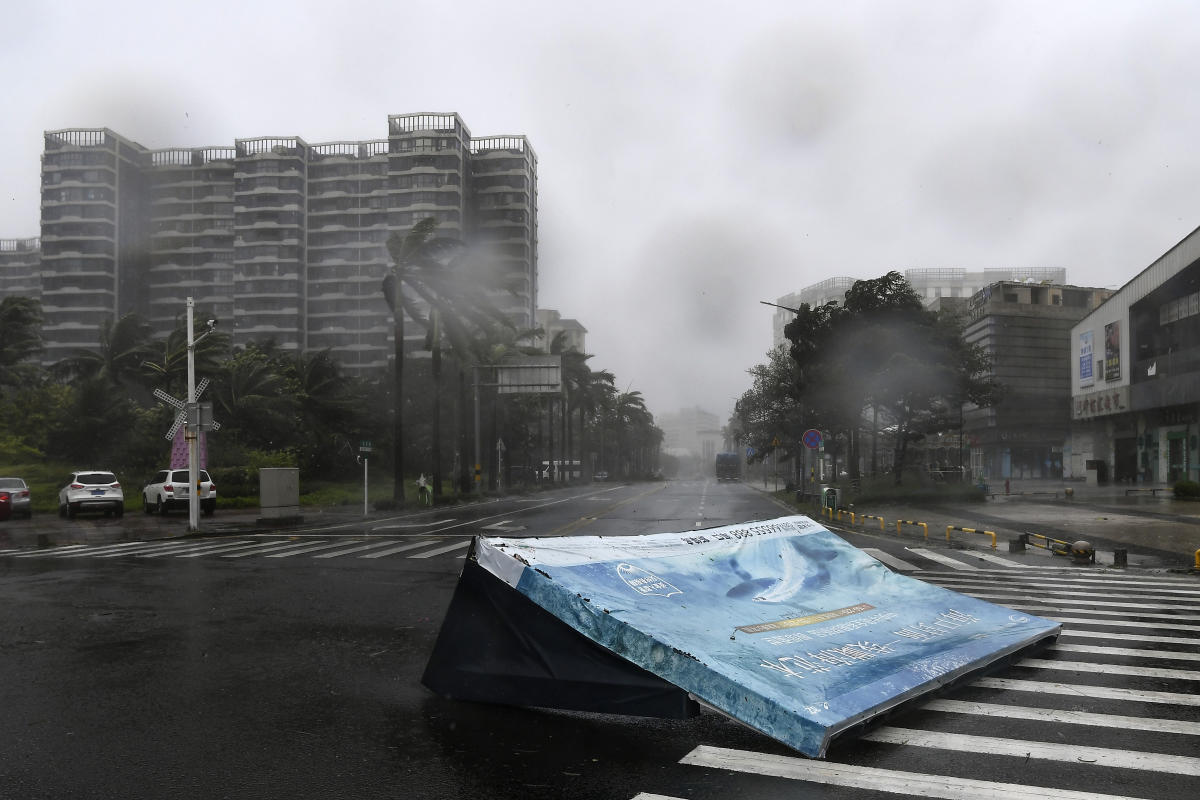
[
  {"x": 438, "y": 275},
  {"x": 123, "y": 346}
]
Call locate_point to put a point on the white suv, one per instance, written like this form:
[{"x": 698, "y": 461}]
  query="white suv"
[
  {"x": 169, "y": 489},
  {"x": 91, "y": 490}
]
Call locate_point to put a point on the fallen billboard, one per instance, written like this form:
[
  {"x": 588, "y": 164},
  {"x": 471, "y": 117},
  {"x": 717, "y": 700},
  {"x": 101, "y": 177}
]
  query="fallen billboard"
[{"x": 780, "y": 624}]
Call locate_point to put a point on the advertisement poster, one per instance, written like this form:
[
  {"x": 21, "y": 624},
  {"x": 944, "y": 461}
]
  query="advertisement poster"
[
  {"x": 780, "y": 624},
  {"x": 1112, "y": 351},
  {"x": 1085, "y": 359}
]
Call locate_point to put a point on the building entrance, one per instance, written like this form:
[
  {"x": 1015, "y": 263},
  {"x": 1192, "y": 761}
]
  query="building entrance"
[{"x": 1126, "y": 460}]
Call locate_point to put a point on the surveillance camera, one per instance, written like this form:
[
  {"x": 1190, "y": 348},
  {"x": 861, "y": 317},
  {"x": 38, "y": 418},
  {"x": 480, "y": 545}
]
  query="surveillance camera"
[{"x": 212, "y": 323}]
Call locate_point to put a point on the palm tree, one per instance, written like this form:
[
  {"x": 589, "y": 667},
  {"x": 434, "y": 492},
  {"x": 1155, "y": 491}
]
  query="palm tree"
[
  {"x": 20, "y": 339},
  {"x": 165, "y": 363},
  {"x": 253, "y": 398},
  {"x": 432, "y": 276},
  {"x": 123, "y": 346}
]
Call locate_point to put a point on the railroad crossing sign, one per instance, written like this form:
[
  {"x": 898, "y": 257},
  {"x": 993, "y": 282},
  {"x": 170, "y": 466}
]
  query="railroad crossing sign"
[
  {"x": 812, "y": 438},
  {"x": 197, "y": 418}
]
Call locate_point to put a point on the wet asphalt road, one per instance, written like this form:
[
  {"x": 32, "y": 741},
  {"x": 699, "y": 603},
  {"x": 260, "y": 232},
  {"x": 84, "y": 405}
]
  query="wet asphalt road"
[{"x": 126, "y": 676}]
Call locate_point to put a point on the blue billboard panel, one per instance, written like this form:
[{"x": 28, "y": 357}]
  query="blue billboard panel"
[{"x": 780, "y": 624}]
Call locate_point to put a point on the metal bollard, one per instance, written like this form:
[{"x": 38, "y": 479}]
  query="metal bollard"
[
  {"x": 1120, "y": 558},
  {"x": 1016, "y": 545}
]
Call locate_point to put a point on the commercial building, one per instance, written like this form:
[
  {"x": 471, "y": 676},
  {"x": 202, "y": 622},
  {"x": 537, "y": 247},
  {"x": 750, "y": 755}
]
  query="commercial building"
[
  {"x": 569, "y": 333},
  {"x": 282, "y": 239},
  {"x": 1025, "y": 330},
  {"x": 1135, "y": 377}
]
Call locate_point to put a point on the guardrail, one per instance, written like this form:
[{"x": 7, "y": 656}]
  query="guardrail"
[
  {"x": 1198, "y": 559},
  {"x": 865, "y": 517},
  {"x": 971, "y": 530},
  {"x": 1152, "y": 490},
  {"x": 900, "y": 522}
]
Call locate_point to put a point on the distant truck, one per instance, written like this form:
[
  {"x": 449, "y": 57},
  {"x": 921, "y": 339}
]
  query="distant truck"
[{"x": 729, "y": 467}]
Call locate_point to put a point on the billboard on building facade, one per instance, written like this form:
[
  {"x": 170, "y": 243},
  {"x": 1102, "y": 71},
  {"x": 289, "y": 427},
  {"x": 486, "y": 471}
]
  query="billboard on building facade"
[
  {"x": 779, "y": 623},
  {"x": 1086, "y": 375},
  {"x": 1112, "y": 351}
]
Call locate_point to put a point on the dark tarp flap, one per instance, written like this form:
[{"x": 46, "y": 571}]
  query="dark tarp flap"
[{"x": 498, "y": 646}]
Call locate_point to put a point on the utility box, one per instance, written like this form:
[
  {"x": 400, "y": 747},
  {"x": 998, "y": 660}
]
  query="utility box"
[
  {"x": 831, "y": 497},
  {"x": 279, "y": 494}
]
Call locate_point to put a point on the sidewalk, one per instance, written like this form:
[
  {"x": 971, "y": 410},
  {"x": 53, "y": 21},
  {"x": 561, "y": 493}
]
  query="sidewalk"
[{"x": 1156, "y": 530}]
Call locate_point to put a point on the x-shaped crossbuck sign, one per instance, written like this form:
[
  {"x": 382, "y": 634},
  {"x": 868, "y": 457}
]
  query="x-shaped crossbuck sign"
[{"x": 181, "y": 417}]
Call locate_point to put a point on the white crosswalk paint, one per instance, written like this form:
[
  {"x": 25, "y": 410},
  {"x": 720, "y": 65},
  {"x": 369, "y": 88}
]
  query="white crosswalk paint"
[
  {"x": 203, "y": 549},
  {"x": 1166, "y": 655},
  {"x": 1039, "y": 751},
  {"x": 232, "y": 549},
  {"x": 1056, "y": 715},
  {"x": 400, "y": 549},
  {"x": 1077, "y": 579},
  {"x": 1124, "y": 616},
  {"x": 995, "y": 559},
  {"x": 889, "y": 559},
  {"x": 1073, "y": 633},
  {"x": 1110, "y": 669},
  {"x": 1099, "y": 603},
  {"x": 444, "y": 549},
  {"x": 262, "y": 549},
  {"x": 57, "y": 551},
  {"x": 356, "y": 549},
  {"x": 312, "y": 548},
  {"x": 99, "y": 549},
  {"x": 964, "y": 583},
  {"x": 1083, "y": 690},
  {"x": 145, "y": 548},
  {"x": 934, "y": 555},
  {"x": 912, "y": 784}
]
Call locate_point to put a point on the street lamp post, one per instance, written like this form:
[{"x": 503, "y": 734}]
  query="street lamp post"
[{"x": 192, "y": 427}]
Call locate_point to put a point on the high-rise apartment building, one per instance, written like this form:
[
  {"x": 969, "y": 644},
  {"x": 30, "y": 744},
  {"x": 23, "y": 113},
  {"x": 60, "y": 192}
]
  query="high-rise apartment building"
[
  {"x": 19, "y": 264},
  {"x": 281, "y": 239}
]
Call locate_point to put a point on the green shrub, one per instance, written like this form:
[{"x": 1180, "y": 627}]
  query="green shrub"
[{"x": 1187, "y": 490}]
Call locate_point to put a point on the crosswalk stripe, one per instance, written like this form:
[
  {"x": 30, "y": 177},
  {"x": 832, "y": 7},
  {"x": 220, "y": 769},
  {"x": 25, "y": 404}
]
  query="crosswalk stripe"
[
  {"x": 1083, "y": 690},
  {"x": 1166, "y": 655},
  {"x": 146, "y": 548},
  {"x": 995, "y": 559},
  {"x": 965, "y": 584},
  {"x": 55, "y": 551},
  {"x": 439, "y": 550},
  {"x": 1057, "y": 715},
  {"x": 645, "y": 796},
  {"x": 1072, "y": 575},
  {"x": 400, "y": 549},
  {"x": 887, "y": 558},
  {"x": 1110, "y": 669},
  {"x": 913, "y": 784},
  {"x": 260, "y": 550},
  {"x": 100, "y": 549},
  {"x": 357, "y": 549},
  {"x": 1040, "y": 751},
  {"x": 934, "y": 555},
  {"x": 204, "y": 548},
  {"x": 1100, "y": 603},
  {"x": 1124, "y": 620},
  {"x": 312, "y": 548},
  {"x": 1020, "y": 580},
  {"x": 1072, "y": 633},
  {"x": 230, "y": 549}
]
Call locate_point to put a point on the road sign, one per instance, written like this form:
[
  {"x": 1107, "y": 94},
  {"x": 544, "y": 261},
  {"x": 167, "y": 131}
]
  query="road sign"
[
  {"x": 365, "y": 446},
  {"x": 812, "y": 438}
]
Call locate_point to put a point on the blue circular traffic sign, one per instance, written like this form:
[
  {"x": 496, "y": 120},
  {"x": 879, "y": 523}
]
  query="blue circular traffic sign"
[{"x": 812, "y": 438}]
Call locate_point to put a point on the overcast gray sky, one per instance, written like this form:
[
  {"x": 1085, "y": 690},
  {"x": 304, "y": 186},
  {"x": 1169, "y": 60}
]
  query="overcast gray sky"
[{"x": 694, "y": 157}]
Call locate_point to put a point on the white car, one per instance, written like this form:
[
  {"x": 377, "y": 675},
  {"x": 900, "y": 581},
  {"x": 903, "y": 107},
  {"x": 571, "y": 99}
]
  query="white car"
[
  {"x": 169, "y": 489},
  {"x": 91, "y": 490}
]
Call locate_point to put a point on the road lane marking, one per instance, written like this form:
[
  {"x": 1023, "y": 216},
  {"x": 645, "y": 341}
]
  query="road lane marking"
[
  {"x": 207, "y": 547},
  {"x": 1124, "y": 620},
  {"x": 400, "y": 549},
  {"x": 1153, "y": 724},
  {"x": 1059, "y": 579},
  {"x": 358, "y": 549},
  {"x": 232, "y": 548},
  {"x": 889, "y": 559},
  {"x": 444, "y": 549},
  {"x": 1083, "y": 690},
  {"x": 934, "y": 555},
  {"x": 571, "y": 527},
  {"x": 1166, "y": 655},
  {"x": 312, "y": 548},
  {"x": 1100, "y": 603},
  {"x": 262, "y": 549},
  {"x": 963, "y": 584},
  {"x": 995, "y": 559},
  {"x": 912, "y": 784},
  {"x": 92, "y": 550},
  {"x": 1110, "y": 669},
  {"x": 1037, "y": 751},
  {"x": 1071, "y": 633},
  {"x": 145, "y": 548},
  {"x": 54, "y": 551}
]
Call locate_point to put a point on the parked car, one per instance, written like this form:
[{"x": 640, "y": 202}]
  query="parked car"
[
  {"x": 169, "y": 489},
  {"x": 18, "y": 496},
  {"x": 91, "y": 490}
]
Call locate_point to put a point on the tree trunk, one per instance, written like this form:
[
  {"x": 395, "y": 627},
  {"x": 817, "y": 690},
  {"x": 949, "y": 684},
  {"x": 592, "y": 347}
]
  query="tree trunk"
[{"x": 398, "y": 402}]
